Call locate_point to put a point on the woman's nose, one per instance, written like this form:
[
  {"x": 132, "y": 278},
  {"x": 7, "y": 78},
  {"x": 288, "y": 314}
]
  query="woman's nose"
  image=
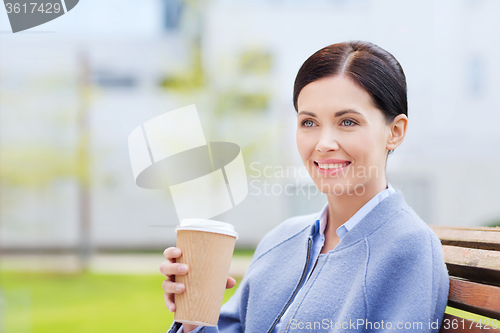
[{"x": 327, "y": 142}]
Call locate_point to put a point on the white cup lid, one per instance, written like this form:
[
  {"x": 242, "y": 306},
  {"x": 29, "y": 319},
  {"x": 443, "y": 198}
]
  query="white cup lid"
[{"x": 207, "y": 226}]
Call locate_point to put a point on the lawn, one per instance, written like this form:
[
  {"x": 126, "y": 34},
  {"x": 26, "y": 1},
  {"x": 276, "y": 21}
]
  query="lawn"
[
  {"x": 83, "y": 303},
  {"x": 90, "y": 303}
]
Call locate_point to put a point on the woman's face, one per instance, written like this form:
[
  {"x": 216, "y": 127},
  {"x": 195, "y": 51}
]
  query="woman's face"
[{"x": 341, "y": 137}]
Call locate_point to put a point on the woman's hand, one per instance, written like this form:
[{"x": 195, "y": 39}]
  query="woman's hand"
[{"x": 170, "y": 269}]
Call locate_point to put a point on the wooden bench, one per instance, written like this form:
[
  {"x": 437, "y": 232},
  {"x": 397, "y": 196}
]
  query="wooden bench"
[{"x": 472, "y": 256}]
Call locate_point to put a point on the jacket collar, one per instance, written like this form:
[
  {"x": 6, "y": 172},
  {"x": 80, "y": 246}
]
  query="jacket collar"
[
  {"x": 372, "y": 221},
  {"x": 379, "y": 215}
]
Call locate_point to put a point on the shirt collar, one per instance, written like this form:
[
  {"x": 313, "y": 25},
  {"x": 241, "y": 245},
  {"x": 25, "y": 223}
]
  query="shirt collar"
[
  {"x": 322, "y": 218},
  {"x": 321, "y": 221}
]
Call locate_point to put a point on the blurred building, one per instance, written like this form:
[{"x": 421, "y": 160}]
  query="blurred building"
[{"x": 109, "y": 66}]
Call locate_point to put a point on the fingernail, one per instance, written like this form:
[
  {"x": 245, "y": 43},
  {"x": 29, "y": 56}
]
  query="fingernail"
[
  {"x": 183, "y": 268},
  {"x": 171, "y": 308},
  {"x": 176, "y": 252},
  {"x": 179, "y": 287}
]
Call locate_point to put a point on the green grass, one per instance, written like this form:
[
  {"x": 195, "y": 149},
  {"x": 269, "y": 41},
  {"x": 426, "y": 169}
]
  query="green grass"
[
  {"x": 83, "y": 303},
  {"x": 243, "y": 252},
  {"x": 91, "y": 303},
  {"x": 477, "y": 319}
]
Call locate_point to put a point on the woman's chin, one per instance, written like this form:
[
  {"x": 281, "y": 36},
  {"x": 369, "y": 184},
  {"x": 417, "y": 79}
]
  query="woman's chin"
[{"x": 339, "y": 187}]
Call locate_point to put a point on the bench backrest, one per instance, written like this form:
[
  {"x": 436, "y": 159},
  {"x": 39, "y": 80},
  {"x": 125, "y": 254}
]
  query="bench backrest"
[{"x": 472, "y": 256}]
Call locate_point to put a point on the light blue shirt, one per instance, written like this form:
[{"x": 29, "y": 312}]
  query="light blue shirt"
[{"x": 319, "y": 235}]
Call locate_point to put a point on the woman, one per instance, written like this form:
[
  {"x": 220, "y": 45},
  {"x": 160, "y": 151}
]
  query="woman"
[{"x": 366, "y": 262}]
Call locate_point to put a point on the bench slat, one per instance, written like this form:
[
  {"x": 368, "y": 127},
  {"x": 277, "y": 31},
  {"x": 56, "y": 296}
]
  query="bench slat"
[
  {"x": 473, "y": 264},
  {"x": 459, "y": 325},
  {"x": 475, "y": 297},
  {"x": 477, "y": 238},
  {"x": 472, "y": 256}
]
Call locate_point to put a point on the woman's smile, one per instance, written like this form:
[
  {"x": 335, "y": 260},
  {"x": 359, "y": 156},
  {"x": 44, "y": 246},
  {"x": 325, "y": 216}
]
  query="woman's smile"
[{"x": 331, "y": 167}]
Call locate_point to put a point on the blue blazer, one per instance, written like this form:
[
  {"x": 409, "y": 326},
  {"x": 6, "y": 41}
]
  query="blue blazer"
[{"x": 386, "y": 274}]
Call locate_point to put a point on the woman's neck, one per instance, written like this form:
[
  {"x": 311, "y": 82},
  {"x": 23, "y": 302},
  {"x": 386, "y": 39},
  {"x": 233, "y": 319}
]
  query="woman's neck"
[{"x": 342, "y": 207}]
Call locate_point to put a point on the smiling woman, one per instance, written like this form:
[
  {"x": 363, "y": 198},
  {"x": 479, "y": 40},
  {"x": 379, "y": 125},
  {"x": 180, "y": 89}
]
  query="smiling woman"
[
  {"x": 330, "y": 141},
  {"x": 366, "y": 262},
  {"x": 344, "y": 140}
]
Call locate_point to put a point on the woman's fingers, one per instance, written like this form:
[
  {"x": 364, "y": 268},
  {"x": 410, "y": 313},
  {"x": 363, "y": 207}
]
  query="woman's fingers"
[
  {"x": 169, "y": 302},
  {"x": 171, "y": 253},
  {"x": 171, "y": 268},
  {"x": 230, "y": 282},
  {"x": 172, "y": 288}
]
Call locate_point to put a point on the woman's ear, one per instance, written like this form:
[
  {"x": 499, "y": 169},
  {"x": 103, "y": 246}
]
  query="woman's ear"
[{"x": 397, "y": 131}]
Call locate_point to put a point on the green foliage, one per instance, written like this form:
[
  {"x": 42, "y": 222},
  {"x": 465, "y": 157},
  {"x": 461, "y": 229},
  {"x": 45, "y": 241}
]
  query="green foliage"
[
  {"x": 37, "y": 165},
  {"x": 495, "y": 223},
  {"x": 235, "y": 102},
  {"x": 189, "y": 80},
  {"x": 82, "y": 303},
  {"x": 256, "y": 62}
]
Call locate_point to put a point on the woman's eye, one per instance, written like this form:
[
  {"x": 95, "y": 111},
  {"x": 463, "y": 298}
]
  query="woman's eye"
[
  {"x": 348, "y": 122},
  {"x": 308, "y": 123}
]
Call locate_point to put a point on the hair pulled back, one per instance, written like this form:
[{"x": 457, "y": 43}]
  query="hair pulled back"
[{"x": 368, "y": 65}]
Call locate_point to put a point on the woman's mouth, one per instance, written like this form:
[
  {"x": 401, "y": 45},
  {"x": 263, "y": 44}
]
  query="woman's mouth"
[{"x": 330, "y": 168}]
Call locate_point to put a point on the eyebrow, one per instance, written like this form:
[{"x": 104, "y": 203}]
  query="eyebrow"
[{"x": 337, "y": 114}]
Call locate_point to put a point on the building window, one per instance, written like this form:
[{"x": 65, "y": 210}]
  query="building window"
[
  {"x": 172, "y": 10},
  {"x": 475, "y": 76}
]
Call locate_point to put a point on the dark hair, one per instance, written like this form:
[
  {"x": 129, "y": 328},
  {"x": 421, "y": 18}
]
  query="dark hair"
[{"x": 368, "y": 65}]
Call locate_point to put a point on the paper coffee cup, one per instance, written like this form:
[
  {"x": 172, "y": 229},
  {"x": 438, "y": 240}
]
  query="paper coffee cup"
[{"x": 207, "y": 248}]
